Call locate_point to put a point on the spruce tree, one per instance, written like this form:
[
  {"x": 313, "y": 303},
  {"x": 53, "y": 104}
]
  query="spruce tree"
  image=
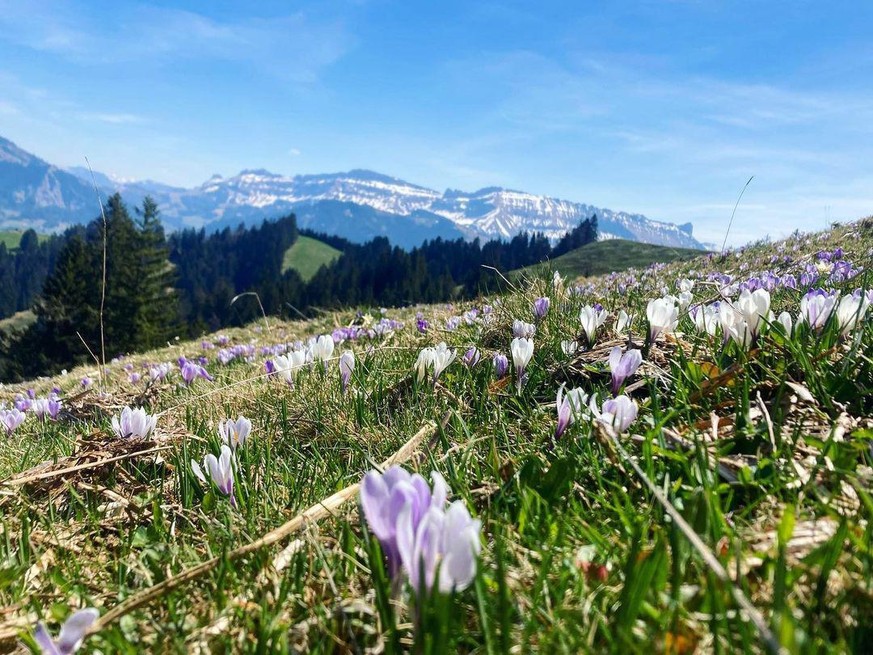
[{"x": 158, "y": 316}]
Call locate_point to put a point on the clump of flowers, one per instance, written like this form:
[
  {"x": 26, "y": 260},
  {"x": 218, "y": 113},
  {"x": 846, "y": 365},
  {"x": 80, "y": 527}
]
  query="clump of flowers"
[
  {"x": 134, "y": 423},
  {"x": 46, "y": 408},
  {"x": 569, "y": 406},
  {"x": 436, "y": 545},
  {"x": 439, "y": 358},
  {"x": 287, "y": 366},
  {"x": 522, "y": 330}
]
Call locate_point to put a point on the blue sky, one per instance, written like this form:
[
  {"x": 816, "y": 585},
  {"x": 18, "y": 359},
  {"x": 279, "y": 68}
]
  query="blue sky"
[{"x": 660, "y": 107}]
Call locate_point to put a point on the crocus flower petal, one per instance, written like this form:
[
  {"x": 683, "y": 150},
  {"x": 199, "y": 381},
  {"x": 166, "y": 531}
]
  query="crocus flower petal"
[
  {"x": 74, "y": 628},
  {"x": 44, "y": 640},
  {"x": 198, "y": 472}
]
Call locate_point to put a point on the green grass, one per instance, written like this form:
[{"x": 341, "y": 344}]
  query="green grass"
[
  {"x": 307, "y": 255},
  {"x": 13, "y": 237},
  {"x": 611, "y": 255},
  {"x": 578, "y": 553}
]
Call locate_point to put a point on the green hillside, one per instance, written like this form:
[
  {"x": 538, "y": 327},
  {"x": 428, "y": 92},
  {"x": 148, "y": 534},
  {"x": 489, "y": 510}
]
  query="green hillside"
[
  {"x": 603, "y": 257},
  {"x": 13, "y": 237},
  {"x": 307, "y": 255}
]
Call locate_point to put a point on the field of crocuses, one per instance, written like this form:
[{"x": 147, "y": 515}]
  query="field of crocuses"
[{"x": 674, "y": 460}]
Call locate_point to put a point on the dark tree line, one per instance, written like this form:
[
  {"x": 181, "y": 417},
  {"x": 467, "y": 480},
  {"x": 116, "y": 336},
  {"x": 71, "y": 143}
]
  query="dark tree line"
[
  {"x": 213, "y": 268},
  {"x": 158, "y": 287}
]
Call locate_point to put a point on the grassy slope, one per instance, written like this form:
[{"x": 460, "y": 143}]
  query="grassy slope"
[
  {"x": 610, "y": 255},
  {"x": 18, "y": 322},
  {"x": 577, "y": 554},
  {"x": 307, "y": 255},
  {"x": 13, "y": 237}
]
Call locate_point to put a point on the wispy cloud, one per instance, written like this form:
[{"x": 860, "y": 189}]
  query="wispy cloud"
[
  {"x": 113, "y": 119},
  {"x": 295, "y": 47}
]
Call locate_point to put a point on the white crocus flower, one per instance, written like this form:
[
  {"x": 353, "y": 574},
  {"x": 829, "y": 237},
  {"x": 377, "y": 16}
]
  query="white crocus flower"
[
  {"x": 522, "y": 351},
  {"x": 663, "y": 315},
  {"x": 591, "y": 318},
  {"x": 235, "y": 433},
  {"x": 622, "y": 321},
  {"x": 425, "y": 359},
  {"x": 442, "y": 357},
  {"x": 754, "y": 307},
  {"x": 851, "y": 310},
  {"x": 134, "y": 423},
  {"x": 785, "y": 320}
]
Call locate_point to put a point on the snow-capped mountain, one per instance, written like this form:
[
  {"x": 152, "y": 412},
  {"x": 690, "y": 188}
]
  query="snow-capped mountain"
[
  {"x": 488, "y": 213},
  {"x": 358, "y": 205}
]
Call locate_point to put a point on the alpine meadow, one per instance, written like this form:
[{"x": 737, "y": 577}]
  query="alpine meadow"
[{"x": 388, "y": 328}]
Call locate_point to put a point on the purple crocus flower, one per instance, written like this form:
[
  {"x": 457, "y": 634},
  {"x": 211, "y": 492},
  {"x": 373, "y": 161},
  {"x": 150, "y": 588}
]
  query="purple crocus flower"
[
  {"x": 422, "y": 325},
  {"x": 501, "y": 365},
  {"x": 72, "y": 633},
  {"x": 269, "y": 367},
  {"x": 385, "y": 495},
  {"x": 11, "y": 419},
  {"x": 346, "y": 366},
  {"x": 623, "y": 366},
  {"x": 618, "y": 412},
  {"x": 541, "y": 307},
  {"x": 192, "y": 371},
  {"x": 471, "y": 357},
  {"x": 816, "y": 308},
  {"x": 22, "y": 403}
]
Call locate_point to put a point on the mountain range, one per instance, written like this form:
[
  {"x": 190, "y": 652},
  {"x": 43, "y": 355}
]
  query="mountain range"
[{"x": 357, "y": 205}]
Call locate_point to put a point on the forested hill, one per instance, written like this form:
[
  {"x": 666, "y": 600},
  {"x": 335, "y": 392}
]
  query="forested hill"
[{"x": 160, "y": 287}]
